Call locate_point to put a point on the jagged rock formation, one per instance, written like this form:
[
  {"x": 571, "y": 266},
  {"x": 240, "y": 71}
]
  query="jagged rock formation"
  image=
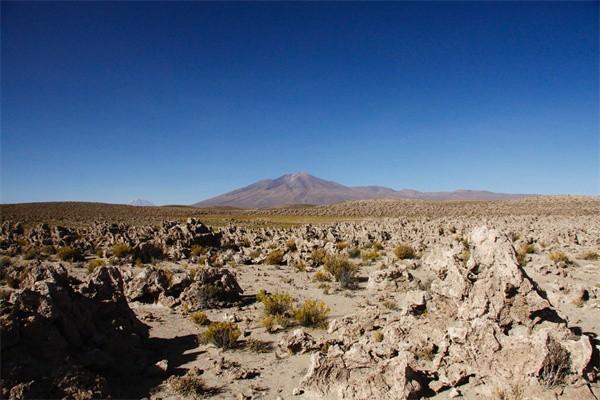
[
  {"x": 486, "y": 322},
  {"x": 69, "y": 339},
  {"x": 206, "y": 288}
]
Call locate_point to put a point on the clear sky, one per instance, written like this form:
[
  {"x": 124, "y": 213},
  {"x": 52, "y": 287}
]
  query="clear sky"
[{"x": 176, "y": 102}]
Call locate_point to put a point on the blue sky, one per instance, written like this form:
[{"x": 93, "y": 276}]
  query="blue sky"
[{"x": 177, "y": 102}]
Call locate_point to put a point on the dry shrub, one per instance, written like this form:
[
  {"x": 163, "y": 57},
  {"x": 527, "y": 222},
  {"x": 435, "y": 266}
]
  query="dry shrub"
[
  {"x": 221, "y": 334},
  {"x": 190, "y": 386},
  {"x": 313, "y": 313},
  {"x": 68, "y": 253},
  {"x": 377, "y": 336},
  {"x": 198, "y": 250},
  {"x": 556, "y": 365},
  {"x": 319, "y": 256},
  {"x": 558, "y": 256},
  {"x": 258, "y": 346},
  {"x": 322, "y": 276},
  {"x": 341, "y": 269},
  {"x": 93, "y": 264},
  {"x": 404, "y": 252},
  {"x": 121, "y": 250},
  {"x": 370, "y": 255},
  {"x": 591, "y": 256},
  {"x": 5, "y": 261},
  {"x": 200, "y": 318},
  {"x": 275, "y": 257},
  {"x": 354, "y": 252},
  {"x": 276, "y": 303},
  {"x": 291, "y": 245},
  {"x": 269, "y": 322},
  {"x": 31, "y": 254},
  {"x": 341, "y": 245}
]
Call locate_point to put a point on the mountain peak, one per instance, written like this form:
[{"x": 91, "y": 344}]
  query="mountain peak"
[
  {"x": 142, "y": 203},
  {"x": 303, "y": 188}
]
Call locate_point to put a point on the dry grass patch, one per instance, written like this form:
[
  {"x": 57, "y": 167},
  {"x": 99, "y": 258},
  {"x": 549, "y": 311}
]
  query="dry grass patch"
[
  {"x": 559, "y": 256},
  {"x": 404, "y": 252},
  {"x": 341, "y": 269},
  {"x": 276, "y": 303},
  {"x": 200, "y": 318},
  {"x": 275, "y": 257}
]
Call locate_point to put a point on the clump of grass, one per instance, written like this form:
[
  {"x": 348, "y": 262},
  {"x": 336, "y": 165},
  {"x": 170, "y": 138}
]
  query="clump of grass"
[
  {"x": 322, "y": 276},
  {"x": 590, "y": 256},
  {"x": 259, "y": 346},
  {"x": 200, "y": 318},
  {"x": 121, "y": 250},
  {"x": 319, "y": 256},
  {"x": 312, "y": 313},
  {"x": 276, "y": 303},
  {"x": 48, "y": 249},
  {"x": 341, "y": 269},
  {"x": 93, "y": 264},
  {"x": 221, "y": 334},
  {"x": 275, "y": 257},
  {"x": 404, "y": 252},
  {"x": 67, "y": 253},
  {"x": 370, "y": 255},
  {"x": 354, "y": 252},
  {"x": 291, "y": 245},
  {"x": 558, "y": 256}
]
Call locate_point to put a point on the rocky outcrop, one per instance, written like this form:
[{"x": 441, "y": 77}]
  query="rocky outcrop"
[
  {"x": 65, "y": 338},
  {"x": 212, "y": 288},
  {"x": 485, "y": 321}
]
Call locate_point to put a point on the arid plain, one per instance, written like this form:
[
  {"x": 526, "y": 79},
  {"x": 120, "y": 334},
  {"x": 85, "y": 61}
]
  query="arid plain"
[{"x": 369, "y": 299}]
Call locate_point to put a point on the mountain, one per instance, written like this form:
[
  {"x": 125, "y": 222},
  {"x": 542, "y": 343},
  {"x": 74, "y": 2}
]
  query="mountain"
[
  {"x": 303, "y": 188},
  {"x": 141, "y": 202}
]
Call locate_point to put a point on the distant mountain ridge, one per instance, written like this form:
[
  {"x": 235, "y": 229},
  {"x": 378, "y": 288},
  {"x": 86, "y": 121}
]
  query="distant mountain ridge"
[{"x": 303, "y": 188}]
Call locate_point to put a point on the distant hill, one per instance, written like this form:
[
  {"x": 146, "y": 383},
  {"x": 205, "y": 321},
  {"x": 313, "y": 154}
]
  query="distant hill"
[
  {"x": 141, "y": 202},
  {"x": 303, "y": 188}
]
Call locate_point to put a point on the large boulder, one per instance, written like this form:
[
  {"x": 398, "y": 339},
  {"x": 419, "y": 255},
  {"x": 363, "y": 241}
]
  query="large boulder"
[{"x": 212, "y": 288}]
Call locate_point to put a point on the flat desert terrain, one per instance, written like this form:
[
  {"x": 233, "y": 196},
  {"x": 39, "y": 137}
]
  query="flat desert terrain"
[{"x": 371, "y": 299}]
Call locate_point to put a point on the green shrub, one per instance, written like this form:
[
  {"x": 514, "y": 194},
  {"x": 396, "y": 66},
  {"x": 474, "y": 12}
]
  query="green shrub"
[
  {"x": 558, "y": 256},
  {"x": 221, "y": 334},
  {"x": 121, "y": 250},
  {"x": 93, "y": 264},
  {"x": 200, "y": 318},
  {"x": 404, "y": 252},
  {"x": 68, "y": 253},
  {"x": 275, "y": 257},
  {"x": 312, "y": 313},
  {"x": 341, "y": 269},
  {"x": 276, "y": 303}
]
